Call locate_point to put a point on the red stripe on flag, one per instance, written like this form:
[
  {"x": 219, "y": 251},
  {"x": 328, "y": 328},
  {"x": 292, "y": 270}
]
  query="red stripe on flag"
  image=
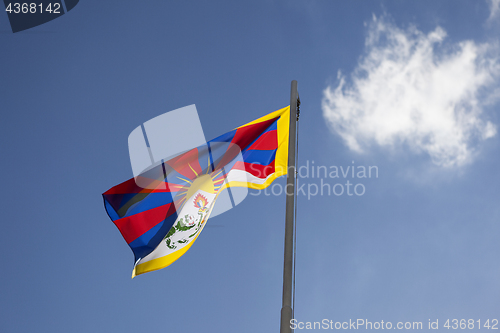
[
  {"x": 132, "y": 227},
  {"x": 267, "y": 141},
  {"x": 246, "y": 135},
  {"x": 243, "y": 137},
  {"x": 130, "y": 186},
  {"x": 126, "y": 187},
  {"x": 182, "y": 164}
]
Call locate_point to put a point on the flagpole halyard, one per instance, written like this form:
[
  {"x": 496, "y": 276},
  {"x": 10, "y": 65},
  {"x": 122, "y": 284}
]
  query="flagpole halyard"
[{"x": 286, "y": 309}]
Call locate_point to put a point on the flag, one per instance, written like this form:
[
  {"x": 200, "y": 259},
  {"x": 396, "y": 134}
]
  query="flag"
[{"x": 161, "y": 212}]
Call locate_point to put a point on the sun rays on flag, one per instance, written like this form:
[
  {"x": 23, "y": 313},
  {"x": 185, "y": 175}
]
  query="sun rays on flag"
[{"x": 210, "y": 181}]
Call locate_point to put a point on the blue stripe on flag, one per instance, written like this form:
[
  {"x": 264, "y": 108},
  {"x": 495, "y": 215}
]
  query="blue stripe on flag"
[
  {"x": 263, "y": 157},
  {"x": 152, "y": 200}
]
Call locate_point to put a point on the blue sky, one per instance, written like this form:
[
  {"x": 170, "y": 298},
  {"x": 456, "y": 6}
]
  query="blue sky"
[{"x": 409, "y": 87}]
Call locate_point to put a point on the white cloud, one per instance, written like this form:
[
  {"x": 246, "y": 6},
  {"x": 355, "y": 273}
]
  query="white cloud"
[
  {"x": 494, "y": 9},
  {"x": 408, "y": 89}
]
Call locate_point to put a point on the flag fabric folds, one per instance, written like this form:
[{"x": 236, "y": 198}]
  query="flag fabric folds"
[{"x": 161, "y": 212}]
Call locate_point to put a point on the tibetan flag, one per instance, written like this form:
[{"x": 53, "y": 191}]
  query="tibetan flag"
[{"x": 161, "y": 212}]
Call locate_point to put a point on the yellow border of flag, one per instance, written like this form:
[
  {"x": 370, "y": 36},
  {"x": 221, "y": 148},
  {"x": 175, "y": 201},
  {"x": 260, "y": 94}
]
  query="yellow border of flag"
[{"x": 280, "y": 167}]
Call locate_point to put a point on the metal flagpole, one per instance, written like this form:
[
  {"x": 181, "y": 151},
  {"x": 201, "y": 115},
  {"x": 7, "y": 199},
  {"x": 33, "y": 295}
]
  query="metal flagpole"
[{"x": 286, "y": 309}]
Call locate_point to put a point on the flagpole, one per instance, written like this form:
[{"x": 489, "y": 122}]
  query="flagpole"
[{"x": 286, "y": 309}]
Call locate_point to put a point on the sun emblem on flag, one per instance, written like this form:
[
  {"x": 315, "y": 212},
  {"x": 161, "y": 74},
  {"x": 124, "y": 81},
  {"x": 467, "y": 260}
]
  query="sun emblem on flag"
[
  {"x": 196, "y": 179},
  {"x": 200, "y": 202},
  {"x": 197, "y": 189}
]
